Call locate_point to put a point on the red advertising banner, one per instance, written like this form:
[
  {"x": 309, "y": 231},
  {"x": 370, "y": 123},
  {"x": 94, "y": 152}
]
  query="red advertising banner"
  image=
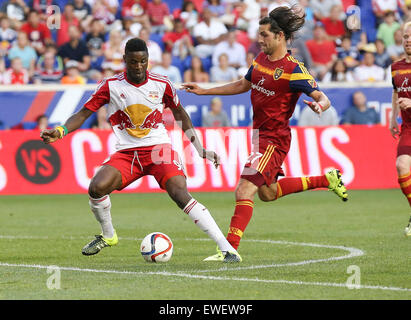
[{"x": 365, "y": 155}]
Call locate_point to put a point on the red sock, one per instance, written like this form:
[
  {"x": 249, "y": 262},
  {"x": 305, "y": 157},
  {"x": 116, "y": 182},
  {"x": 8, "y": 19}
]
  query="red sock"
[
  {"x": 242, "y": 216},
  {"x": 292, "y": 185},
  {"x": 405, "y": 184}
]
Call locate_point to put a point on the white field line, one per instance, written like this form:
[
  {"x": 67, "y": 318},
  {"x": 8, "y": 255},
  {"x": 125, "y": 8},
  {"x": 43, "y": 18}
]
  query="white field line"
[
  {"x": 353, "y": 252},
  {"x": 202, "y": 277}
]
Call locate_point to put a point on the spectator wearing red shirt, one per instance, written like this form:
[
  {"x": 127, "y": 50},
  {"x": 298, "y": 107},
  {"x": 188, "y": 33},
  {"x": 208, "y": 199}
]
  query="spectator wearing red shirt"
[
  {"x": 136, "y": 10},
  {"x": 37, "y": 32},
  {"x": 16, "y": 74},
  {"x": 41, "y": 7},
  {"x": 68, "y": 19},
  {"x": 178, "y": 41},
  {"x": 322, "y": 50},
  {"x": 157, "y": 10},
  {"x": 333, "y": 24}
]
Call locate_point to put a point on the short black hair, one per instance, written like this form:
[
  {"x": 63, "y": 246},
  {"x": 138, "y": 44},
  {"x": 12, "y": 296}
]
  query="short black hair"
[{"x": 136, "y": 44}]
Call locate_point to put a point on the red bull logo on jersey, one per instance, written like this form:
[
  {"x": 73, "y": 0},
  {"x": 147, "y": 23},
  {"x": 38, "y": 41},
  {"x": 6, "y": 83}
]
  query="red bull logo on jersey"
[
  {"x": 137, "y": 120},
  {"x": 153, "y": 94},
  {"x": 121, "y": 119},
  {"x": 152, "y": 120}
]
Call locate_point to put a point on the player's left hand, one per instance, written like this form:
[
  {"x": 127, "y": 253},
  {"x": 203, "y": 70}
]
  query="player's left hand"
[
  {"x": 315, "y": 106},
  {"x": 212, "y": 156},
  {"x": 404, "y": 103}
]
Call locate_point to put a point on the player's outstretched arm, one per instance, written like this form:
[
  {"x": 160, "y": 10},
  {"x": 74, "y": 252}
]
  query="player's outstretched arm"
[
  {"x": 184, "y": 121},
  {"x": 72, "y": 124},
  {"x": 235, "y": 87},
  {"x": 320, "y": 103}
]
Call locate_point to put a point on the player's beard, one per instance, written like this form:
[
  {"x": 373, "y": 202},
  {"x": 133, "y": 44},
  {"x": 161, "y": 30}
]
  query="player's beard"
[{"x": 267, "y": 50}]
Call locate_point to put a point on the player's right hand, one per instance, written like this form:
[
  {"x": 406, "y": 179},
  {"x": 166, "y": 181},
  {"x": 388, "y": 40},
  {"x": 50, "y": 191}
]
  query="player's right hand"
[
  {"x": 315, "y": 106},
  {"x": 212, "y": 156},
  {"x": 192, "y": 88},
  {"x": 49, "y": 135},
  {"x": 395, "y": 131}
]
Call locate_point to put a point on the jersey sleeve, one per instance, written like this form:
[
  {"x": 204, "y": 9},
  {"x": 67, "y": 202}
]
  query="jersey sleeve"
[
  {"x": 170, "y": 97},
  {"x": 249, "y": 72},
  {"x": 302, "y": 81},
  {"x": 393, "y": 73},
  {"x": 99, "y": 98}
]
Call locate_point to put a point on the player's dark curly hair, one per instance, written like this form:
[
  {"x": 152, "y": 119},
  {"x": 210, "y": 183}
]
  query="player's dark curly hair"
[
  {"x": 285, "y": 19},
  {"x": 135, "y": 44}
]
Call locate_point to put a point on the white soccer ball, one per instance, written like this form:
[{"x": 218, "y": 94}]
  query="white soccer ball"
[{"x": 156, "y": 247}]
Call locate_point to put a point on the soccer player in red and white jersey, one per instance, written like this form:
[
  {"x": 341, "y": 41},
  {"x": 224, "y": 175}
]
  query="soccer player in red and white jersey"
[
  {"x": 135, "y": 102},
  {"x": 401, "y": 100},
  {"x": 276, "y": 80}
]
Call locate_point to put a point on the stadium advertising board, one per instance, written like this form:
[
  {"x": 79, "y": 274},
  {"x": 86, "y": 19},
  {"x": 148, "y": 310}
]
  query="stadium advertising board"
[
  {"x": 365, "y": 155},
  {"x": 59, "y": 102}
]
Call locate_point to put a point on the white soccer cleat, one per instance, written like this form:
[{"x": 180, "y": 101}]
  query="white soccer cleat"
[{"x": 407, "y": 231}]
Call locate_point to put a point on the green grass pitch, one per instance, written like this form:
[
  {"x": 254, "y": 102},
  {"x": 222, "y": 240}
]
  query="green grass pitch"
[{"x": 299, "y": 247}]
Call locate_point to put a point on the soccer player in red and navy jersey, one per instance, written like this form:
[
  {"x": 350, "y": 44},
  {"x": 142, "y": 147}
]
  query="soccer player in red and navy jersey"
[
  {"x": 135, "y": 102},
  {"x": 276, "y": 80},
  {"x": 401, "y": 100}
]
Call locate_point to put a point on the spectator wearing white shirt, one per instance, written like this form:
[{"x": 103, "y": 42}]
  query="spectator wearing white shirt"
[
  {"x": 380, "y": 7},
  {"x": 249, "y": 60},
  {"x": 223, "y": 72},
  {"x": 154, "y": 50},
  {"x": 234, "y": 50},
  {"x": 368, "y": 70},
  {"x": 166, "y": 69},
  {"x": 278, "y": 3},
  {"x": 396, "y": 50},
  {"x": 308, "y": 118},
  {"x": 7, "y": 34},
  {"x": 322, "y": 8},
  {"x": 208, "y": 34},
  {"x": 338, "y": 73}
]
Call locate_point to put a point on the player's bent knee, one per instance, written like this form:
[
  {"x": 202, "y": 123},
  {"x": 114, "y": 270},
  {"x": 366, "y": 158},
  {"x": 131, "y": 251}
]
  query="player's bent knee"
[
  {"x": 266, "y": 196},
  {"x": 403, "y": 166},
  {"x": 99, "y": 188},
  {"x": 96, "y": 190},
  {"x": 177, "y": 190}
]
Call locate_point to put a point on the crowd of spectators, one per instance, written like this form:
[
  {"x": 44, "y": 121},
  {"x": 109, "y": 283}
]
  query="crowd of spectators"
[{"x": 82, "y": 41}]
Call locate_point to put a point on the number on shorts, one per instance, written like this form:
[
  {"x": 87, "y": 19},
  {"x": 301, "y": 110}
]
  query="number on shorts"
[{"x": 253, "y": 157}]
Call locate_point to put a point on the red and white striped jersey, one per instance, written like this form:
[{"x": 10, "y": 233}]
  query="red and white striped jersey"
[{"x": 135, "y": 111}]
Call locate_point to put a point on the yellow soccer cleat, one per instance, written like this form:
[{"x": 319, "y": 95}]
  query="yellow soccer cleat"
[
  {"x": 219, "y": 256},
  {"x": 227, "y": 257},
  {"x": 99, "y": 243},
  {"x": 336, "y": 184}
]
